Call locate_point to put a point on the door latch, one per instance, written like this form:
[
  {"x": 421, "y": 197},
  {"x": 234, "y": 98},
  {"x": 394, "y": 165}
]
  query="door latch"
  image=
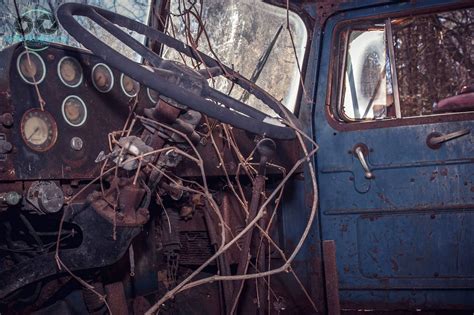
[
  {"x": 361, "y": 152},
  {"x": 436, "y": 139}
]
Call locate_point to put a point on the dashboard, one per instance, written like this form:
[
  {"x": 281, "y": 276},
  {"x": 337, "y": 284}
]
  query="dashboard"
[{"x": 83, "y": 100}]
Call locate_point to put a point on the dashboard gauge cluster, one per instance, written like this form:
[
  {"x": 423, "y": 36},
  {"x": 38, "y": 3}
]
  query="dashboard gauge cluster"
[{"x": 84, "y": 100}]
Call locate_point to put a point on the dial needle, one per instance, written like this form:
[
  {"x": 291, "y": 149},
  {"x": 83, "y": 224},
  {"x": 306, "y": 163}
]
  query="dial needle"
[
  {"x": 40, "y": 99},
  {"x": 33, "y": 133}
]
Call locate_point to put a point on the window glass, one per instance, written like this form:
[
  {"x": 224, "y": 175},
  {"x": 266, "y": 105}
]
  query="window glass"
[
  {"x": 408, "y": 67},
  {"x": 249, "y": 36},
  {"x": 368, "y": 93}
]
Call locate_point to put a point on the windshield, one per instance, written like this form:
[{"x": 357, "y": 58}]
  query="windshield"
[
  {"x": 248, "y": 35},
  {"x": 39, "y": 23}
]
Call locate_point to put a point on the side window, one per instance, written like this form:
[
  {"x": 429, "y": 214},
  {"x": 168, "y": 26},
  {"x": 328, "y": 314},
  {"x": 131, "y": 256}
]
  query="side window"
[{"x": 407, "y": 67}]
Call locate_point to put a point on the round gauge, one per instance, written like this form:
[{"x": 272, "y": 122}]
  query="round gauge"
[
  {"x": 38, "y": 130},
  {"x": 102, "y": 78},
  {"x": 31, "y": 67},
  {"x": 74, "y": 111},
  {"x": 70, "y": 71},
  {"x": 129, "y": 86},
  {"x": 152, "y": 95}
]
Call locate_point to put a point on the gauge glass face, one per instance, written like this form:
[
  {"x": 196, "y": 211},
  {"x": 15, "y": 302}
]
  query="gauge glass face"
[
  {"x": 102, "y": 78},
  {"x": 70, "y": 71},
  {"x": 74, "y": 111},
  {"x": 31, "y": 67},
  {"x": 152, "y": 95},
  {"x": 129, "y": 86},
  {"x": 38, "y": 130}
]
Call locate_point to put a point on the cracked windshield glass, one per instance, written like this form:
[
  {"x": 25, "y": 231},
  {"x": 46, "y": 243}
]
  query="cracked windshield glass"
[{"x": 248, "y": 35}]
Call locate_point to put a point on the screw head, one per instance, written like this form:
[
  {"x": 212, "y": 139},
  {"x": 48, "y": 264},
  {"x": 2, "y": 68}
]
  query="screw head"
[
  {"x": 76, "y": 143},
  {"x": 5, "y": 147},
  {"x": 13, "y": 198},
  {"x": 6, "y": 119}
]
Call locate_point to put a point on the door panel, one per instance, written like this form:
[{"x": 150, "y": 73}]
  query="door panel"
[{"x": 404, "y": 238}]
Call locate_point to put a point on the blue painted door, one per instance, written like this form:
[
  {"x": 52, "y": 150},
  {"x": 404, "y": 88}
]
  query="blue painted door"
[{"x": 405, "y": 237}]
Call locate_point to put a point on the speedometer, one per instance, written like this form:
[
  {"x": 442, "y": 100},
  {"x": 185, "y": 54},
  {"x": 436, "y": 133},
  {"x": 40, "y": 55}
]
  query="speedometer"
[{"x": 38, "y": 130}]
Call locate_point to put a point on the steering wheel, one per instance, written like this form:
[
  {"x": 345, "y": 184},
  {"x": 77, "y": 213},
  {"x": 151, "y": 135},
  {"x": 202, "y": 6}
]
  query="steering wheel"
[{"x": 204, "y": 98}]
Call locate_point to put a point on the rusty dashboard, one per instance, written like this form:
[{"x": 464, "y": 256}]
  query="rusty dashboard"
[{"x": 78, "y": 116}]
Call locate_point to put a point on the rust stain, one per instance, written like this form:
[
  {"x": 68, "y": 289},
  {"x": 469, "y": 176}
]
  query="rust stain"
[{"x": 394, "y": 264}]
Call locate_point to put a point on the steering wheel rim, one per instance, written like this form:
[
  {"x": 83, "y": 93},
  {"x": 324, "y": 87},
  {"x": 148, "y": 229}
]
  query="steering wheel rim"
[{"x": 253, "y": 120}]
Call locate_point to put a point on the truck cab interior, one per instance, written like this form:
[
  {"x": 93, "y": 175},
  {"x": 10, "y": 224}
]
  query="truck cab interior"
[{"x": 236, "y": 157}]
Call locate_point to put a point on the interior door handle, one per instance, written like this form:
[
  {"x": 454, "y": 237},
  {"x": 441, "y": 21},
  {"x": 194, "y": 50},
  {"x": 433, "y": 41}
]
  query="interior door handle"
[
  {"x": 360, "y": 151},
  {"x": 436, "y": 139}
]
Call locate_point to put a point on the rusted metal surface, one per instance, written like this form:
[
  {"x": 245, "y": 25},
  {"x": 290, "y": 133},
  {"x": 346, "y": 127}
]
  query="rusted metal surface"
[
  {"x": 287, "y": 153},
  {"x": 332, "y": 280},
  {"x": 236, "y": 218},
  {"x": 243, "y": 264},
  {"x": 225, "y": 287},
  {"x": 126, "y": 212},
  {"x": 60, "y": 161},
  {"x": 361, "y": 219},
  {"x": 116, "y": 298},
  {"x": 163, "y": 112},
  {"x": 140, "y": 305},
  {"x": 386, "y": 228}
]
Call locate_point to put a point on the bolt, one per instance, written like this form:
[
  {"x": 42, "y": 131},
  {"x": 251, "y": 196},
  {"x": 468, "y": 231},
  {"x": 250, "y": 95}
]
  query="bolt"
[
  {"x": 68, "y": 190},
  {"x": 76, "y": 143},
  {"x": 12, "y": 198},
  {"x": 5, "y": 147},
  {"x": 6, "y": 119}
]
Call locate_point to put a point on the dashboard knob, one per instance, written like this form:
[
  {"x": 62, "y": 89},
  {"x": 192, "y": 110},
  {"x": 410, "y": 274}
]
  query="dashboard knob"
[
  {"x": 76, "y": 143},
  {"x": 6, "y": 120}
]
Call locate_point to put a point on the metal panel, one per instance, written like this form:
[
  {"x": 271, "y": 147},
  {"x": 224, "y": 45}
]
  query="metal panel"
[{"x": 404, "y": 239}]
